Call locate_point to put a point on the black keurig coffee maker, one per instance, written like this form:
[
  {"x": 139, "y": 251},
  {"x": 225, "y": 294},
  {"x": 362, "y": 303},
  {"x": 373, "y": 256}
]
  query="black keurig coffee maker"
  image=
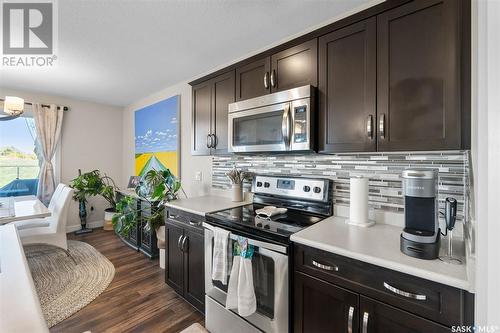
[{"x": 421, "y": 235}]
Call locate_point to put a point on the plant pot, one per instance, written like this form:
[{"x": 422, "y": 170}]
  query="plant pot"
[
  {"x": 108, "y": 218},
  {"x": 237, "y": 192}
]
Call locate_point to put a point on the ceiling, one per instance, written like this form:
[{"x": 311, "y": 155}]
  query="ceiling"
[{"x": 116, "y": 52}]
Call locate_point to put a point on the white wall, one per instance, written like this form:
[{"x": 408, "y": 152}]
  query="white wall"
[
  {"x": 91, "y": 139},
  {"x": 486, "y": 157},
  {"x": 189, "y": 164}
]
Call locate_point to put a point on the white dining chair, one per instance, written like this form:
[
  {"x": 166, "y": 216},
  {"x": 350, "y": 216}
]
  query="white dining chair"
[
  {"x": 41, "y": 222},
  {"x": 54, "y": 230}
]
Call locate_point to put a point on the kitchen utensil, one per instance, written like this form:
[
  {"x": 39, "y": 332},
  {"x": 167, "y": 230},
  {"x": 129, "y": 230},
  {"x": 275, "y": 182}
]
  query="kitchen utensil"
[{"x": 450, "y": 216}]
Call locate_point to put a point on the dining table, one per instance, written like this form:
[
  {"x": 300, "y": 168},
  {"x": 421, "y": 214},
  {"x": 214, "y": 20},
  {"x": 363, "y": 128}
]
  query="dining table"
[{"x": 21, "y": 208}]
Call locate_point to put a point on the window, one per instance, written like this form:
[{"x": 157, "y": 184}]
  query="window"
[{"x": 19, "y": 165}]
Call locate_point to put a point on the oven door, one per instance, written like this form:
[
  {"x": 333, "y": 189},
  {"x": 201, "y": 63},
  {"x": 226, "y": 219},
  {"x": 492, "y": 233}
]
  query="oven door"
[
  {"x": 267, "y": 128},
  {"x": 270, "y": 278}
]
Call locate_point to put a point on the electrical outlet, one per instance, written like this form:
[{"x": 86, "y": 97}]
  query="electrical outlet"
[{"x": 197, "y": 176}]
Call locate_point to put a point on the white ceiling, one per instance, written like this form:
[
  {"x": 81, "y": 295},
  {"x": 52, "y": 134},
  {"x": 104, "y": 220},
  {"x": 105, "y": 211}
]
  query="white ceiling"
[{"x": 116, "y": 52}]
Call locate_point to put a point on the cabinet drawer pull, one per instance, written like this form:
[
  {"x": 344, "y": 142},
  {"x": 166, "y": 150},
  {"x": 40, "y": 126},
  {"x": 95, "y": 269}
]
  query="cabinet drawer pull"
[
  {"x": 349, "y": 319},
  {"x": 365, "y": 322},
  {"x": 369, "y": 127},
  {"x": 209, "y": 141},
  {"x": 404, "y": 293},
  {"x": 215, "y": 141},
  {"x": 381, "y": 126},
  {"x": 325, "y": 267},
  {"x": 194, "y": 224},
  {"x": 266, "y": 80}
]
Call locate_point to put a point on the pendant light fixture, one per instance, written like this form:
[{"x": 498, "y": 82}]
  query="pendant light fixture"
[{"x": 13, "y": 107}]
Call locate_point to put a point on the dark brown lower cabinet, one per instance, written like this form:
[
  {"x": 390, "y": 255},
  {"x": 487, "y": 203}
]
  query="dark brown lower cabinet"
[
  {"x": 379, "y": 317},
  {"x": 323, "y": 307},
  {"x": 337, "y": 294},
  {"x": 184, "y": 267}
]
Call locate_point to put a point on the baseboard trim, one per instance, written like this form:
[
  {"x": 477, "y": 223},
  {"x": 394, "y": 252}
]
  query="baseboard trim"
[{"x": 90, "y": 225}]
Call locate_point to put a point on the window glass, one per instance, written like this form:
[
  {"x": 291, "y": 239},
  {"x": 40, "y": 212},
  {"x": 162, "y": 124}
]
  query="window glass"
[{"x": 19, "y": 165}]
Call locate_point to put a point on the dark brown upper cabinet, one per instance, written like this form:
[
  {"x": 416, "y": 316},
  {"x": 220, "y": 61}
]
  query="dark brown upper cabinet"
[
  {"x": 347, "y": 88},
  {"x": 290, "y": 68},
  {"x": 418, "y": 73},
  {"x": 252, "y": 80},
  {"x": 295, "y": 67},
  {"x": 210, "y": 112}
]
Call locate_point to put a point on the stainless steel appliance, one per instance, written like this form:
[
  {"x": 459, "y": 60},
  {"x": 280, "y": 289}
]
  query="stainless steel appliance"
[
  {"x": 421, "y": 235},
  {"x": 283, "y": 121},
  {"x": 308, "y": 200}
]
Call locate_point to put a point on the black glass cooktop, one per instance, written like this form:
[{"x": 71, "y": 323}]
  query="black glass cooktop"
[{"x": 278, "y": 227}]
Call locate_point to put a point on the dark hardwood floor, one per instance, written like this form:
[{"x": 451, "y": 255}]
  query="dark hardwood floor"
[{"x": 137, "y": 300}]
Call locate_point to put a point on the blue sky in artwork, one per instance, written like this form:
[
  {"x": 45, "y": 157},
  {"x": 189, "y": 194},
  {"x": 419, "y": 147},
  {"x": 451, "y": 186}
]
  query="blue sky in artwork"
[{"x": 156, "y": 126}]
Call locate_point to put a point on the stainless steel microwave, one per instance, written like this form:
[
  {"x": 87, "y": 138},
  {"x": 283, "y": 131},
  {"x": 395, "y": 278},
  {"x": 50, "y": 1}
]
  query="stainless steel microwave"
[{"x": 279, "y": 122}]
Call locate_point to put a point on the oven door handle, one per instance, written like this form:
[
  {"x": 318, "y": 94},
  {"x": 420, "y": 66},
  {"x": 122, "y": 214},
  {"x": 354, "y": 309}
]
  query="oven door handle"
[
  {"x": 261, "y": 244},
  {"x": 285, "y": 126}
]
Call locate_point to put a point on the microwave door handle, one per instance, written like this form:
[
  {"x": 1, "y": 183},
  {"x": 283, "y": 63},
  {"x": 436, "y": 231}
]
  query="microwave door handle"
[{"x": 285, "y": 125}]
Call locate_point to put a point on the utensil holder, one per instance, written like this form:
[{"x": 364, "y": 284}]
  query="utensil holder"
[{"x": 237, "y": 192}]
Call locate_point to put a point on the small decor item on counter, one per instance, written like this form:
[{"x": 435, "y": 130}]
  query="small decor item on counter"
[
  {"x": 236, "y": 177},
  {"x": 450, "y": 216},
  {"x": 358, "y": 207}
]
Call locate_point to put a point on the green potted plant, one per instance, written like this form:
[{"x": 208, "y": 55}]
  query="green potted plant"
[
  {"x": 93, "y": 183},
  {"x": 157, "y": 187}
]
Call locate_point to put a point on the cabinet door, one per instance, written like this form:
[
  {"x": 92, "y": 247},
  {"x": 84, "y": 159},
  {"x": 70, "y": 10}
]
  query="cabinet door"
[
  {"x": 252, "y": 80},
  {"x": 323, "y": 307},
  {"x": 222, "y": 94},
  {"x": 174, "y": 268},
  {"x": 295, "y": 67},
  {"x": 194, "y": 269},
  {"x": 418, "y": 64},
  {"x": 377, "y": 317},
  {"x": 201, "y": 125},
  {"x": 347, "y": 89}
]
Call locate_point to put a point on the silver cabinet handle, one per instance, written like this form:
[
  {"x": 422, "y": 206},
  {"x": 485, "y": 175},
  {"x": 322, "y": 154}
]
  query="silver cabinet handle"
[
  {"x": 349, "y": 319},
  {"x": 365, "y": 323},
  {"x": 381, "y": 126},
  {"x": 215, "y": 141},
  {"x": 195, "y": 224},
  {"x": 404, "y": 293},
  {"x": 369, "y": 127},
  {"x": 183, "y": 245},
  {"x": 285, "y": 125},
  {"x": 273, "y": 78},
  {"x": 209, "y": 141},
  {"x": 179, "y": 242},
  {"x": 266, "y": 80},
  {"x": 325, "y": 267}
]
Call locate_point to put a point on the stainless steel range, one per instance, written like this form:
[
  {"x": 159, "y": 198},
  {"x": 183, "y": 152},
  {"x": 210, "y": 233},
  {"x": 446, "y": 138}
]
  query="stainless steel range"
[{"x": 308, "y": 201}]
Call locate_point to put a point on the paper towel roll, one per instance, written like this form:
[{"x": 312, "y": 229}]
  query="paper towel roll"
[{"x": 358, "y": 209}]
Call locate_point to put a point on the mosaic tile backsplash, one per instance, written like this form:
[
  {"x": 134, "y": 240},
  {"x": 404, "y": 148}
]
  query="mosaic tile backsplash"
[{"x": 382, "y": 169}]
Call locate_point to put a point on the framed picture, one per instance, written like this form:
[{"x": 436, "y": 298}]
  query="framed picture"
[
  {"x": 133, "y": 182},
  {"x": 157, "y": 144}
]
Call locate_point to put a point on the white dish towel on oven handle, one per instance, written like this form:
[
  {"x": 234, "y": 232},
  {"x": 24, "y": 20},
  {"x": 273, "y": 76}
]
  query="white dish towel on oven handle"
[
  {"x": 240, "y": 291},
  {"x": 220, "y": 259}
]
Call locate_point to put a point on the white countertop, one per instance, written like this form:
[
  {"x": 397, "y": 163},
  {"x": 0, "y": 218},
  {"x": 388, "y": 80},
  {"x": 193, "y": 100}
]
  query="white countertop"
[
  {"x": 26, "y": 207},
  {"x": 205, "y": 204},
  {"x": 379, "y": 245},
  {"x": 19, "y": 304}
]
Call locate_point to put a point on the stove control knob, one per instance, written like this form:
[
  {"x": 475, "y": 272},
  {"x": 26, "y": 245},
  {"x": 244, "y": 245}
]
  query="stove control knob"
[
  {"x": 266, "y": 184},
  {"x": 267, "y": 226},
  {"x": 259, "y": 225},
  {"x": 306, "y": 188},
  {"x": 259, "y": 184},
  {"x": 316, "y": 189}
]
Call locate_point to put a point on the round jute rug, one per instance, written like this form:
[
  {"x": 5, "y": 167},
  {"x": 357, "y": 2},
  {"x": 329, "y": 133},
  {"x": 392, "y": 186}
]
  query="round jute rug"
[{"x": 65, "y": 286}]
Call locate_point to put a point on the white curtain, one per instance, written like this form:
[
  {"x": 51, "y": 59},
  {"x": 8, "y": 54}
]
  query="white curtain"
[{"x": 48, "y": 123}]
